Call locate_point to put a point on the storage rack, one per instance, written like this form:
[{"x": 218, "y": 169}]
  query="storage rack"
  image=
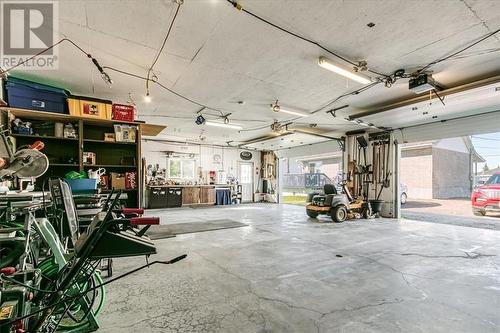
[{"x": 109, "y": 155}]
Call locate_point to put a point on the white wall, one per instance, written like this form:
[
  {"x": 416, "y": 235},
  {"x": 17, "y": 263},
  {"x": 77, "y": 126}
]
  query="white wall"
[
  {"x": 154, "y": 153},
  {"x": 453, "y": 144}
]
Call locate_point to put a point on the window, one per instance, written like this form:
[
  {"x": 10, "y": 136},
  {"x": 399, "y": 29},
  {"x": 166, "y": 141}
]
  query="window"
[
  {"x": 181, "y": 168},
  {"x": 494, "y": 179}
]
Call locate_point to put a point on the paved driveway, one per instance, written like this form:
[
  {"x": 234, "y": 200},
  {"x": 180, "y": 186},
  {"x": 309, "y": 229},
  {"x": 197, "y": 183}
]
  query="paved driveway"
[{"x": 452, "y": 211}]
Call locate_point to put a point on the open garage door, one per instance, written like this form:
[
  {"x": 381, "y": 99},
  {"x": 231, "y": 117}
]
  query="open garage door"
[{"x": 452, "y": 180}]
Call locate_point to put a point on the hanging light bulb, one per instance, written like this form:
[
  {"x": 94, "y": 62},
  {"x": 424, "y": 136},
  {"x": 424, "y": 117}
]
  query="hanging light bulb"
[{"x": 147, "y": 98}]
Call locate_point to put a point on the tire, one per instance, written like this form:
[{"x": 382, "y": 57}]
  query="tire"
[
  {"x": 311, "y": 213},
  {"x": 478, "y": 212},
  {"x": 403, "y": 199},
  {"x": 339, "y": 213}
]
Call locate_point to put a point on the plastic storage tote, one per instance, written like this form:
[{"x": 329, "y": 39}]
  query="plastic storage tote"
[
  {"x": 35, "y": 96},
  {"x": 89, "y": 107},
  {"x": 82, "y": 185}
]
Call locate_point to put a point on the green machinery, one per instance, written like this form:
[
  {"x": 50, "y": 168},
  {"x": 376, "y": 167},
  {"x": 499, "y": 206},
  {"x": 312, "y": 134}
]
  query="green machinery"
[{"x": 49, "y": 277}]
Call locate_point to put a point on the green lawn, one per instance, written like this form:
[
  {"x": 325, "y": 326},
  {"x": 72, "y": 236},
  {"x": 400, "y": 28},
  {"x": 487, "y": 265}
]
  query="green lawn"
[{"x": 295, "y": 199}]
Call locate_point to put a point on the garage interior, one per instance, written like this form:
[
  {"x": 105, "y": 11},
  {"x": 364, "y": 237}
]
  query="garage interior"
[{"x": 241, "y": 166}]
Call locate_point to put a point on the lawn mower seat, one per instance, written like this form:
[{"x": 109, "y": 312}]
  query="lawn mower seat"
[{"x": 329, "y": 189}]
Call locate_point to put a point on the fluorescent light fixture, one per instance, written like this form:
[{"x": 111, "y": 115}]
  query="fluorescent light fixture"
[
  {"x": 343, "y": 70},
  {"x": 218, "y": 124},
  {"x": 360, "y": 122},
  {"x": 278, "y": 108},
  {"x": 295, "y": 113}
]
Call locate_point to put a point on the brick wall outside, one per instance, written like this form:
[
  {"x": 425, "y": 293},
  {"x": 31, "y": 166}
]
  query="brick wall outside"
[
  {"x": 451, "y": 174},
  {"x": 416, "y": 172}
]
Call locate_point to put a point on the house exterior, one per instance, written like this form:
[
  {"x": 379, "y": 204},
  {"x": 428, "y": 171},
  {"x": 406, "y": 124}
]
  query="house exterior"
[
  {"x": 483, "y": 176},
  {"x": 440, "y": 169}
]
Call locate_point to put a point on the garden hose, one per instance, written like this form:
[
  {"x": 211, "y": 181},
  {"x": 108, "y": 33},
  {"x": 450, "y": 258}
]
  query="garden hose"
[{"x": 50, "y": 271}]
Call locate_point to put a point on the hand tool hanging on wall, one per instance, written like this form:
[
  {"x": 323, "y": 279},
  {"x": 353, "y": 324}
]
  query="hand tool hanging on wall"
[{"x": 386, "y": 182}]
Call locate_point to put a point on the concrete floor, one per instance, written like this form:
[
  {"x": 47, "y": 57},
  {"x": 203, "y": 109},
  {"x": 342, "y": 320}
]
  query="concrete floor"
[
  {"x": 452, "y": 211},
  {"x": 286, "y": 273}
]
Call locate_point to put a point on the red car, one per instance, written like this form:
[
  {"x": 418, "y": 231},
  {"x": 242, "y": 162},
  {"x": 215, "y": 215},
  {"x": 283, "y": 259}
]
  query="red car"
[{"x": 486, "y": 198}]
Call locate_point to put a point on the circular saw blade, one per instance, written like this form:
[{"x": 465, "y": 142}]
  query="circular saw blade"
[{"x": 26, "y": 163}]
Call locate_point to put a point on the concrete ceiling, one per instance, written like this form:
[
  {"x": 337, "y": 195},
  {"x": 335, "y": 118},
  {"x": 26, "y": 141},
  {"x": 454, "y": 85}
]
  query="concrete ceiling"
[{"x": 218, "y": 56}]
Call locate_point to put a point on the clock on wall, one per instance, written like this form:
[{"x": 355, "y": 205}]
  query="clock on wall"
[{"x": 246, "y": 155}]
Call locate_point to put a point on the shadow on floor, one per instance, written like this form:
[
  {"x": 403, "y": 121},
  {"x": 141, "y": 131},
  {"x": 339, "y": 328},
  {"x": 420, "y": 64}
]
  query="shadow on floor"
[{"x": 420, "y": 204}]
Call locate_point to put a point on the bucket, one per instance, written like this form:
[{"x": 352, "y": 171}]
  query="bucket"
[{"x": 376, "y": 205}]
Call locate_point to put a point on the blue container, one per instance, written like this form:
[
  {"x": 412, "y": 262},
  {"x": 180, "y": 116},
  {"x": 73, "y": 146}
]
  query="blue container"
[
  {"x": 82, "y": 185},
  {"x": 35, "y": 96}
]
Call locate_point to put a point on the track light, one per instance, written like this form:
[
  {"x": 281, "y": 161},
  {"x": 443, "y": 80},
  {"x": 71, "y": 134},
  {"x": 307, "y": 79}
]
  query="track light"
[
  {"x": 147, "y": 98},
  {"x": 219, "y": 124},
  {"x": 343, "y": 70},
  {"x": 277, "y": 108}
]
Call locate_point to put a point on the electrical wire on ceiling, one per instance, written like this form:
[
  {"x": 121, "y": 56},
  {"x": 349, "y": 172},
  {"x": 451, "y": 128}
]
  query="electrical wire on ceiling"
[
  {"x": 150, "y": 70},
  {"x": 350, "y": 93},
  {"x": 437, "y": 61},
  {"x": 104, "y": 75},
  {"x": 305, "y": 39},
  {"x": 156, "y": 81}
]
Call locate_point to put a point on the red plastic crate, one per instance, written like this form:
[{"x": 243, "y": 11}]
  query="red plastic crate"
[{"x": 123, "y": 112}]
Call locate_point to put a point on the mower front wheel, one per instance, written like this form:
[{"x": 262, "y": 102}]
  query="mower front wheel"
[
  {"x": 339, "y": 213},
  {"x": 311, "y": 213}
]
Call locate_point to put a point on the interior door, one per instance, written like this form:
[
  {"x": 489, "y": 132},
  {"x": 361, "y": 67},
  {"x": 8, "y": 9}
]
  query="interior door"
[{"x": 245, "y": 174}]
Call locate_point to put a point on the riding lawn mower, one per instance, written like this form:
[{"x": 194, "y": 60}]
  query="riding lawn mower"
[{"x": 339, "y": 206}]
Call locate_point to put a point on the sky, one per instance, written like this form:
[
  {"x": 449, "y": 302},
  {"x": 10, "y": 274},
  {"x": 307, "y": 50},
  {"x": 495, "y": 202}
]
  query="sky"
[{"x": 488, "y": 146}]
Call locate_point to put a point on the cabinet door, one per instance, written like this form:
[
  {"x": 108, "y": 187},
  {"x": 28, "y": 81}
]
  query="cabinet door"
[
  {"x": 190, "y": 195},
  {"x": 208, "y": 195},
  {"x": 196, "y": 195}
]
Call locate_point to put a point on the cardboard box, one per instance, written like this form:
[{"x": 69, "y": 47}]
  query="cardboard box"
[
  {"x": 117, "y": 181},
  {"x": 89, "y": 158},
  {"x": 110, "y": 137}
]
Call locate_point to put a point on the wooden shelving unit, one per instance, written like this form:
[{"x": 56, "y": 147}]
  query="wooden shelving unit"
[
  {"x": 42, "y": 137},
  {"x": 66, "y": 154},
  {"x": 109, "y": 142}
]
